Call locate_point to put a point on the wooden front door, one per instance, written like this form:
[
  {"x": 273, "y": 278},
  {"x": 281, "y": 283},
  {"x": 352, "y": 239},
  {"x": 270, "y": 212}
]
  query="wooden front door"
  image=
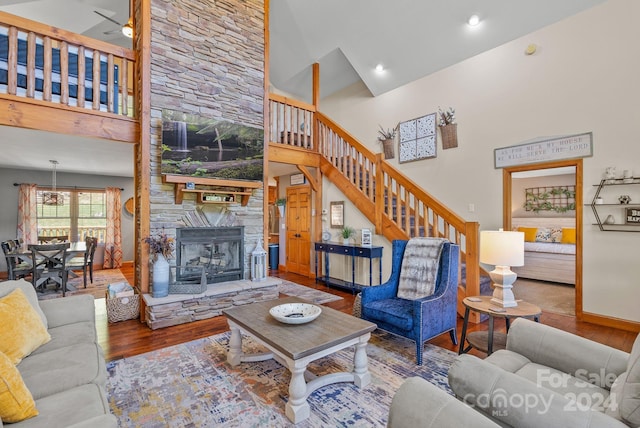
[{"x": 298, "y": 217}]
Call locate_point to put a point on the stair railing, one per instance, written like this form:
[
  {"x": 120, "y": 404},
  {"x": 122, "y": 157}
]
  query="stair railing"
[{"x": 398, "y": 207}]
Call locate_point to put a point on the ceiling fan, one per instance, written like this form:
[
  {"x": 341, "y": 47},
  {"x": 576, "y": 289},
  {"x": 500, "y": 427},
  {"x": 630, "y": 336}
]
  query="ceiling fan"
[{"x": 126, "y": 29}]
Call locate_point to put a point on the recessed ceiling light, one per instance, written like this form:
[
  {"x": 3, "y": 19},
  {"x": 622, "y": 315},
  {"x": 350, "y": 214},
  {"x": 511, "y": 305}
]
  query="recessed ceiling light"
[
  {"x": 379, "y": 68},
  {"x": 473, "y": 20},
  {"x": 531, "y": 49}
]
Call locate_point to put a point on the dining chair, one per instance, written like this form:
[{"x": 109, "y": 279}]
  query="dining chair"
[
  {"x": 49, "y": 263},
  {"x": 53, "y": 239},
  {"x": 16, "y": 267},
  {"x": 92, "y": 244},
  {"x": 84, "y": 262}
]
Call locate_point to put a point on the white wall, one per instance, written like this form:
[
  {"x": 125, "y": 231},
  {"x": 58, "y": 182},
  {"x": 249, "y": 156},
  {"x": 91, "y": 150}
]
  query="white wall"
[
  {"x": 520, "y": 185},
  {"x": 583, "y": 78}
]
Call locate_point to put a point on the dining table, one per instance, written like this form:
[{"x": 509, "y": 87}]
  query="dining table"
[{"x": 75, "y": 249}]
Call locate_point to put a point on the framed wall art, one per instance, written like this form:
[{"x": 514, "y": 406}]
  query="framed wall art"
[
  {"x": 418, "y": 139},
  {"x": 337, "y": 214},
  {"x": 366, "y": 237}
]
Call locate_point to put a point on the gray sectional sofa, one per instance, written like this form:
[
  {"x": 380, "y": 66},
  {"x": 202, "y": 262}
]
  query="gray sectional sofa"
[
  {"x": 67, "y": 375},
  {"x": 551, "y": 378},
  {"x": 545, "y": 378}
]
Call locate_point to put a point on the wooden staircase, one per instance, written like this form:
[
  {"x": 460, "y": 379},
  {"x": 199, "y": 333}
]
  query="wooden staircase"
[{"x": 398, "y": 207}]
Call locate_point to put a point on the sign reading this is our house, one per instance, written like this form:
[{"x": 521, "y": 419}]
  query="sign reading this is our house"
[{"x": 559, "y": 148}]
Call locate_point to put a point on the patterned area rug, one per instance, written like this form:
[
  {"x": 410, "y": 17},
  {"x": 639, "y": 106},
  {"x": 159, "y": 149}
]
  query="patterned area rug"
[
  {"x": 307, "y": 293},
  {"x": 192, "y": 385},
  {"x": 101, "y": 279}
]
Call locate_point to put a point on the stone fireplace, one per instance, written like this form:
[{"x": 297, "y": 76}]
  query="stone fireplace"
[
  {"x": 224, "y": 80},
  {"x": 218, "y": 250}
]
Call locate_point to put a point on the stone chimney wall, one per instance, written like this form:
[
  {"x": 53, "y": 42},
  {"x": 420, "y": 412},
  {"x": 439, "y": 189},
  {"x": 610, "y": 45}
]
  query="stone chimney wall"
[{"x": 207, "y": 59}]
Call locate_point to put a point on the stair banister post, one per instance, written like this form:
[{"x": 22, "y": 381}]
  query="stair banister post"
[
  {"x": 379, "y": 189},
  {"x": 472, "y": 260}
]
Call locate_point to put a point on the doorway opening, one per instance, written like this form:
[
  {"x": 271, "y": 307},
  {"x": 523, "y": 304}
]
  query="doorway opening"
[{"x": 545, "y": 202}]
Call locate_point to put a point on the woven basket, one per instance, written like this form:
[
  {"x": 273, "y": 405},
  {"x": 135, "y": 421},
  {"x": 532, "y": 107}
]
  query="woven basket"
[
  {"x": 123, "y": 308},
  {"x": 357, "y": 306},
  {"x": 387, "y": 146},
  {"x": 449, "y": 135}
]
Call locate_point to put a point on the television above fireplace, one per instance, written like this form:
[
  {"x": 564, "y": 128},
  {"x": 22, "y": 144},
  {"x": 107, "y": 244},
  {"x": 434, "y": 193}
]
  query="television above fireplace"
[{"x": 203, "y": 147}]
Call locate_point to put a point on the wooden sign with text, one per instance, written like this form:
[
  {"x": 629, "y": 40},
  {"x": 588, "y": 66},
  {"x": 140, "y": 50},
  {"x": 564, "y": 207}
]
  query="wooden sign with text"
[{"x": 560, "y": 148}]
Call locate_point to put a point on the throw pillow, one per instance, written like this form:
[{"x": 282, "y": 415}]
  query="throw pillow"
[
  {"x": 22, "y": 330},
  {"x": 568, "y": 235},
  {"x": 16, "y": 402},
  {"x": 7, "y": 287},
  {"x": 556, "y": 234},
  {"x": 543, "y": 235},
  {"x": 529, "y": 233}
]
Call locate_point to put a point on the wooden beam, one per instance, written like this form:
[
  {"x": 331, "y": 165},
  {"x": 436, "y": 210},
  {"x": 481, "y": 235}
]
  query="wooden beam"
[
  {"x": 293, "y": 155},
  {"x": 168, "y": 178},
  {"x": 316, "y": 85},
  {"x": 142, "y": 82},
  {"x": 310, "y": 177},
  {"x": 43, "y": 116},
  {"x": 266, "y": 126}
]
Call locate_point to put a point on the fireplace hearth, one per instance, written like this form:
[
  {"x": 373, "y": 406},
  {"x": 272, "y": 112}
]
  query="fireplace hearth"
[{"x": 218, "y": 250}]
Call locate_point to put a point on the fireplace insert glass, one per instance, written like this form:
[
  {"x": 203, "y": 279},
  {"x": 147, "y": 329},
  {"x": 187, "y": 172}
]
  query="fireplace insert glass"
[{"x": 219, "y": 250}]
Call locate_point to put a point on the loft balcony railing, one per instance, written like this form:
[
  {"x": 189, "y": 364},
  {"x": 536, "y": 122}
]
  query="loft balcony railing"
[{"x": 55, "y": 66}]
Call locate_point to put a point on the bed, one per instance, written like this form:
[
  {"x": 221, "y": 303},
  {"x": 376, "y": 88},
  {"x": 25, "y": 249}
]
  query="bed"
[
  {"x": 56, "y": 85},
  {"x": 549, "y": 248}
]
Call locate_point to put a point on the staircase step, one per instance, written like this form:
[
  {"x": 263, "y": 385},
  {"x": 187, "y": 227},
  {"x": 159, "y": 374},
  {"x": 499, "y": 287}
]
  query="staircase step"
[{"x": 485, "y": 281}]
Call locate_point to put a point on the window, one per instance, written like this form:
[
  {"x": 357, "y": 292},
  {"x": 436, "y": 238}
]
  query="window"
[{"x": 72, "y": 213}]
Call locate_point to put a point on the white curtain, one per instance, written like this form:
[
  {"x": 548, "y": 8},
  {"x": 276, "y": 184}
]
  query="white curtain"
[
  {"x": 27, "y": 229},
  {"x": 113, "y": 236}
]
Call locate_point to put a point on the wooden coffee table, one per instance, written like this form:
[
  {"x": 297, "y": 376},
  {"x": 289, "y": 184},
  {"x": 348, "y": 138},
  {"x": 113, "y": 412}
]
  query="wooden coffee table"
[{"x": 296, "y": 345}]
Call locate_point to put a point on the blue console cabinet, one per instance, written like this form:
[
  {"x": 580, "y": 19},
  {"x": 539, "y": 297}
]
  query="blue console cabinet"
[{"x": 350, "y": 251}]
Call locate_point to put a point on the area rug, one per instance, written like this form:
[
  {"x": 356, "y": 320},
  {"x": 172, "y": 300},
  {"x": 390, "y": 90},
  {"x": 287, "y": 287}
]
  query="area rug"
[
  {"x": 307, "y": 293},
  {"x": 191, "y": 385},
  {"x": 101, "y": 280}
]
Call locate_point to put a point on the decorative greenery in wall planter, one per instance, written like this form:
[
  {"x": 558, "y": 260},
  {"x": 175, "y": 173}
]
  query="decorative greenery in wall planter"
[{"x": 559, "y": 199}]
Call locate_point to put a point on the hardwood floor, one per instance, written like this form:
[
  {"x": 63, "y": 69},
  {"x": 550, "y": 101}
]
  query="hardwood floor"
[{"x": 128, "y": 338}]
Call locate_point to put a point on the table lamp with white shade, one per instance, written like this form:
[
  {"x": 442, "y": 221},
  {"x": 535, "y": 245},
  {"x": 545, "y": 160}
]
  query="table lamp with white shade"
[{"x": 503, "y": 250}]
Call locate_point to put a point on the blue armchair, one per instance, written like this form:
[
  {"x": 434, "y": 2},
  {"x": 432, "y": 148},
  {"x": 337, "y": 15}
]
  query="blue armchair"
[{"x": 422, "y": 319}]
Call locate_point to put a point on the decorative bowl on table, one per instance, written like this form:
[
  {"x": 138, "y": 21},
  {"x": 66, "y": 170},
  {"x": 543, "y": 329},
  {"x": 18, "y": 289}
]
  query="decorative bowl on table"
[{"x": 295, "y": 313}]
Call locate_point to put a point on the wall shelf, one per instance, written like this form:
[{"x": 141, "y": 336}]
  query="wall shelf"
[
  {"x": 236, "y": 190},
  {"x": 607, "y": 209}
]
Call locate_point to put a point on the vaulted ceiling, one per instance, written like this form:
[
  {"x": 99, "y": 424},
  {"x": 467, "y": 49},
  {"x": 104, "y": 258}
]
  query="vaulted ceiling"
[{"x": 410, "y": 38}]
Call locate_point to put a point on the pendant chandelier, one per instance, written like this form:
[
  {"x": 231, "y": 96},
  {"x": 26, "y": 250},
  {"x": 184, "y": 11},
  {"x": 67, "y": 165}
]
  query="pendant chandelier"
[{"x": 53, "y": 197}]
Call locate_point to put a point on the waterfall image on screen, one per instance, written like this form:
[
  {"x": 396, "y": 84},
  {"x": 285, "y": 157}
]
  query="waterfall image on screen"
[{"x": 203, "y": 147}]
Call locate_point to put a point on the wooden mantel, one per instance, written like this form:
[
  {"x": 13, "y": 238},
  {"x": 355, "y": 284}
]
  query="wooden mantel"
[{"x": 228, "y": 187}]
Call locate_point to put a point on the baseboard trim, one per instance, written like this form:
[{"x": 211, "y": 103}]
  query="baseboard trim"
[{"x": 611, "y": 322}]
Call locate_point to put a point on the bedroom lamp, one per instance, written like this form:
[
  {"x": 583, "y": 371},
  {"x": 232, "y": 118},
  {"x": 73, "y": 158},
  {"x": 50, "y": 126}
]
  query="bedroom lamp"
[{"x": 503, "y": 250}]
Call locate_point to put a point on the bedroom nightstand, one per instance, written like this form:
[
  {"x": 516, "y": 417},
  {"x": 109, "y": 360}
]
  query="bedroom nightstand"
[{"x": 488, "y": 341}]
